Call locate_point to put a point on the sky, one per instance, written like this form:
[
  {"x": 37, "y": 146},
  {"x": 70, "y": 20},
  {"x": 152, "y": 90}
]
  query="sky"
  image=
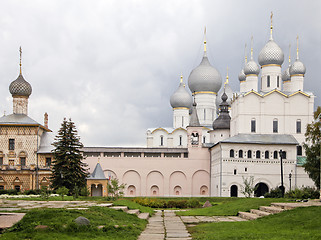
[{"x": 111, "y": 66}]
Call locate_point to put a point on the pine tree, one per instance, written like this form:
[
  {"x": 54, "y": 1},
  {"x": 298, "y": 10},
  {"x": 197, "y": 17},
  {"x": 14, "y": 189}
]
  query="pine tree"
[
  {"x": 68, "y": 169},
  {"x": 312, "y": 148}
]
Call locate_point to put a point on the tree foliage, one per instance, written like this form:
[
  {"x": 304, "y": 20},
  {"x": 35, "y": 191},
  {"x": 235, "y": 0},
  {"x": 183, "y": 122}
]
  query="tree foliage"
[
  {"x": 115, "y": 189},
  {"x": 312, "y": 147},
  {"x": 248, "y": 188},
  {"x": 68, "y": 169}
]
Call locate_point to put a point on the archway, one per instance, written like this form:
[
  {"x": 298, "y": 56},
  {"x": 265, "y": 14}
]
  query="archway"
[
  {"x": 177, "y": 190},
  {"x": 131, "y": 190},
  {"x": 154, "y": 191},
  {"x": 260, "y": 189},
  {"x": 96, "y": 190},
  {"x": 233, "y": 191}
]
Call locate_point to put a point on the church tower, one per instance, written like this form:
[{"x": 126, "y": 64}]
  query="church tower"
[
  {"x": 205, "y": 82},
  {"x": 251, "y": 71},
  {"x": 271, "y": 58},
  {"x": 20, "y": 90}
]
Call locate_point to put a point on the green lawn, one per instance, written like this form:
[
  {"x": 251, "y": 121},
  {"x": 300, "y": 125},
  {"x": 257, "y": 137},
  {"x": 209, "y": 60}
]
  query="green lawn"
[
  {"x": 132, "y": 205},
  {"x": 300, "y": 223},
  {"x": 61, "y": 226},
  {"x": 230, "y": 206}
]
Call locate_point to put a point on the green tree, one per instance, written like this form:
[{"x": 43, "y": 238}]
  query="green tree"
[
  {"x": 62, "y": 191},
  {"x": 68, "y": 168},
  {"x": 248, "y": 189},
  {"x": 312, "y": 147},
  {"x": 115, "y": 189}
]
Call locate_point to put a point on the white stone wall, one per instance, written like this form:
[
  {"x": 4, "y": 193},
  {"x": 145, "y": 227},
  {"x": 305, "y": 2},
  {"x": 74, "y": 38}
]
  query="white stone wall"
[
  {"x": 180, "y": 117},
  {"x": 274, "y": 71},
  {"x": 206, "y": 108}
]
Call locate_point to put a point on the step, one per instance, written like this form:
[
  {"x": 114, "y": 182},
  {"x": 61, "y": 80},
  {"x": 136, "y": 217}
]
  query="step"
[
  {"x": 248, "y": 216},
  {"x": 143, "y": 216},
  {"x": 133, "y": 211},
  {"x": 285, "y": 206},
  {"x": 123, "y": 208},
  {"x": 271, "y": 209},
  {"x": 260, "y": 213}
]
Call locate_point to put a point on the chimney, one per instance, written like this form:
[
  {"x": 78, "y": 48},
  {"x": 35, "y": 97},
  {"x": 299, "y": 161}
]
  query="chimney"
[{"x": 46, "y": 120}]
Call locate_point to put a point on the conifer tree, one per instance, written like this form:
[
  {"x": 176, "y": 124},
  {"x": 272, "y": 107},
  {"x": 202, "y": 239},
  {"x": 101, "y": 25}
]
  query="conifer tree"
[{"x": 68, "y": 169}]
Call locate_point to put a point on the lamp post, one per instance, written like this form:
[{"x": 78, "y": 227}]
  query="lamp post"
[
  {"x": 281, "y": 158},
  {"x": 290, "y": 176}
]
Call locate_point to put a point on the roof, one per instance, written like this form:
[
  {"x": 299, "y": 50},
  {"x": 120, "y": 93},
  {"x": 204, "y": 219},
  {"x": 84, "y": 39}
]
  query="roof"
[
  {"x": 98, "y": 173},
  {"x": 134, "y": 149},
  {"x": 262, "y": 139},
  {"x": 20, "y": 119},
  {"x": 46, "y": 141}
]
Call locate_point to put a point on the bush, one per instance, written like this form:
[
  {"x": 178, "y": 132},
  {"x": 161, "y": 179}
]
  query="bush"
[
  {"x": 171, "y": 203},
  {"x": 62, "y": 191},
  {"x": 303, "y": 193},
  {"x": 84, "y": 192},
  {"x": 32, "y": 192},
  {"x": 274, "y": 193},
  {"x": 9, "y": 191},
  {"x": 44, "y": 193}
]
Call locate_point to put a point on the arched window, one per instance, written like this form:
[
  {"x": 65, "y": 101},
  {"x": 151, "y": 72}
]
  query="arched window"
[
  {"x": 234, "y": 172},
  {"x": 204, "y": 114},
  {"x": 249, "y": 154},
  {"x": 180, "y": 140},
  {"x": 268, "y": 82},
  {"x": 275, "y": 154},
  {"x": 258, "y": 154},
  {"x": 266, "y": 154},
  {"x": 204, "y": 139},
  {"x": 299, "y": 150},
  {"x": 284, "y": 155},
  {"x": 278, "y": 81},
  {"x": 162, "y": 140},
  {"x": 231, "y": 153},
  {"x": 253, "y": 125},
  {"x": 275, "y": 125},
  {"x": 240, "y": 153},
  {"x": 298, "y": 126}
]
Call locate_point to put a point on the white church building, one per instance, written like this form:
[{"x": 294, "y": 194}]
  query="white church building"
[{"x": 220, "y": 136}]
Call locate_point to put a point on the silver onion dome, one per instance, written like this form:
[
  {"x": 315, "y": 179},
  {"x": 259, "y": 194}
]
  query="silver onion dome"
[
  {"x": 20, "y": 87},
  {"x": 271, "y": 54},
  {"x": 242, "y": 75},
  {"x": 297, "y": 68},
  {"x": 286, "y": 75},
  {"x": 181, "y": 98},
  {"x": 205, "y": 77},
  {"x": 228, "y": 93},
  {"x": 251, "y": 68}
]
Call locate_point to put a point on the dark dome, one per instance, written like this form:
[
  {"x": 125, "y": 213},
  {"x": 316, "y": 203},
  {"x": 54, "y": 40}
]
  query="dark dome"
[{"x": 20, "y": 87}]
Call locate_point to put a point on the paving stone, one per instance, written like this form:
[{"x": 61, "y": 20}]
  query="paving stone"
[
  {"x": 10, "y": 209},
  {"x": 133, "y": 211},
  {"x": 146, "y": 236},
  {"x": 237, "y": 219},
  {"x": 143, "y": 215},
  {"x": 104, "y": 205},
  {"x": 178, "y": 235},
  {"x": 205, "y": 219},
  {"x": 9, "y": 219}
]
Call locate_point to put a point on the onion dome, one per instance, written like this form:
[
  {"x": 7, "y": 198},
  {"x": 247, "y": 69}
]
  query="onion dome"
[
  {"x": 227, "y": 91},
  {"x": 20, "y": 87},
  {"x": 205, "y": 78},
  {"x": 297, "y": 68},
  {"x": 271, "y": 52},
  {"x": 224, "y": 119},
  {"x": 242, "y": 75},
  {"x": 181, "y": 98},
  {"x": 286, "y": 75},
  {"x": 251, "y": 67}
]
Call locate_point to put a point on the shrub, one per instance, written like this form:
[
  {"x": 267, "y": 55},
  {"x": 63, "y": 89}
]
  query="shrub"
[
  {"x": 84, "y": 192},
  {"x": 62, "y": 191},
  {"x": 44, "y": 193},
  {"x": 274, "y": 193},
  {"x": 171, "y": 203},
  {"x": 303, "y": 193},
  {"x": 9, "y": 191}
]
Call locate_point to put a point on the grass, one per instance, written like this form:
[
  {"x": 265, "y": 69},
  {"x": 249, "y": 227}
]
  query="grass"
[
  {"x": 132, "y": 205},
  {"x": 230, "y": 206},
  {"x": 61, "y": 225},
  {"x": 66, "y": 198},
  {"x": 300, "y": 223}
]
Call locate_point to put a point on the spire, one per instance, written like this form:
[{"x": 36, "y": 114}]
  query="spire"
[
  {"x": 181, "y": 78},
  {"x": 271, "y": 36},
  {"x": 205, "y": 40},
  {"x": 20, "y": 50},
  {"x": 245, "y": 54},
  {"x": 226, "y": 82},
  {"x": 297, "y": 47},
  {"x": 252, "y": 48},
  {"x": 289, "y": 54}
]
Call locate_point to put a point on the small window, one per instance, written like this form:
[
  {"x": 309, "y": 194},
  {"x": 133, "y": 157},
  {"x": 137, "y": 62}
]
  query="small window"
[
  {"x": 249, "y": 154},
  {"x": 284, "y": 154},
  {"x": 23, "y": 161},
  {"x": 298, "y": 126},
  {"x": 245, "y": 169},
  {"x": 162, "y": 140},
  {"x": 253, "y": 126},
  {"x": 204, "y": 114},
  {"x": 266, "y": 154},
  {"x": 299, "y": 150},
  {"x": 204, "y": 139},
  {"x": 48, "y": 162},
  {"x": 180, "y": 140},
  {"x": 11, "y": 144},
  {"x": 182, "y": 121},
  {"x": 258, "y": 154},
  {"x": 231, "y": 153},
  {"x": 17, "y": 187},
  {"x": 268, "y": 82},
  {"x": 240, "y": 153},
  {"x": 275, "y": 125},
  {"x": 1, "y": 161},
  {"x": 275, "y": 154},
  {"x": 278, "y": 81},
  {"x": 1, "y": 187},
  {"x": 234, "y": 171}
]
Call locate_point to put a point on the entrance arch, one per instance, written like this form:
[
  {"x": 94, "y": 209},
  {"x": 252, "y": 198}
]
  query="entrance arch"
[
  {"x": 233, "y": 191},
  {"x": 260, "y": 189},
  {"x": 96, "y": 190}
]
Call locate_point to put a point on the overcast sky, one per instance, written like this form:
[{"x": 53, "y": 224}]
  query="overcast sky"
[{"x": 112, "y": 66}]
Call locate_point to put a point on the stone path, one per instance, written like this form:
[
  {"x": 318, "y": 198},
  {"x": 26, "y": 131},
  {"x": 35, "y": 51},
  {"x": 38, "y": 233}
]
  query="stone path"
[{"x": 8, "y": 219}]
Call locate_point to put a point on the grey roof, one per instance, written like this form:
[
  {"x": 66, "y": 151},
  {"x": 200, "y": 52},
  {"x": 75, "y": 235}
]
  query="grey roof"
[
  {"x": 194, "y": 122},
  {"x": 251, "y": 68},
  {"x": 17, "y": 119},
  {"x": 297, "y": 68},
  {"x": 271, "y": 53},
  {"x": 286, "y": 74},
  {"x": 98, "y": 173},
  {"x": 20, "y": 87},
  {"x": 205, "y": 77},
  {"x": 181, "y": 98},
  {"x": 134, "y": 149},
  {"x": 242, "y": 76},
  {"x": 46, "y": 141},
  {"x": 262, "y": 139}
]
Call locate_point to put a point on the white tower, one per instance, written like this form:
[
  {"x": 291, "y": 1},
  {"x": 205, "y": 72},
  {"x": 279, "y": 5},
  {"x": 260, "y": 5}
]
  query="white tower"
[
  {"x": 205, "y": 82},
  {"x": 271, "y": 58}
]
